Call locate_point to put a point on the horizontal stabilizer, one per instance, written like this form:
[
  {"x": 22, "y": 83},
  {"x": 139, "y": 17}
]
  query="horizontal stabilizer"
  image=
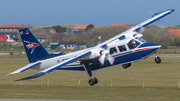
[
  {"x": 33, "y": 76},
  {"x": 25, "y": 68},
  {"x": 50, "y": 69}
]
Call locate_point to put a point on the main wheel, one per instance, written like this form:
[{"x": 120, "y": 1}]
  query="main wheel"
[
  {"x": 91, "y": 82},
  {"x": 95, "y": 80},
  {"x": 158, "y": 59},
  {"x": 125, "y": 66},
  {"x": 129, "y": 64}
]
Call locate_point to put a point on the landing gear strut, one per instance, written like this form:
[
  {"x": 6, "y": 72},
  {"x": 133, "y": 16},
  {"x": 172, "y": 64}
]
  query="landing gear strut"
[
  {"x": 157, "y": 58},
  {"x": 125, "y": 66},
  {"x": 93, "y": 80}
]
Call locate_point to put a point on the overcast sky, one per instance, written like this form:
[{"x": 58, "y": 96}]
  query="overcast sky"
[{"x": 97, "y": 12}]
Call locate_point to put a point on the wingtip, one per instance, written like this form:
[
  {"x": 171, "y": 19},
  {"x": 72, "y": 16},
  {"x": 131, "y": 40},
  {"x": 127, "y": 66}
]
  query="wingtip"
[
  {"x": 172, "y": 10},
  {"x": 8, "y": 74},
  {"x": 12, "y": 73}
]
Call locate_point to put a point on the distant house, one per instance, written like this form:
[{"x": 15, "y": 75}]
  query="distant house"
[
  {"x": 53, "y": 45},
  {"x": 11, "y": 36},
  {"x": 81, "y": 46},
  {"x": 41, "y": 38},
  {"x": 118, "y": 24},
  {"x": 66, "y": 45},
  {"x": 76, "y": 30},
  {"x": 173, "y": 33},
  {"x": 3, "y": 38},
  {"x": 11, "y": 31}
]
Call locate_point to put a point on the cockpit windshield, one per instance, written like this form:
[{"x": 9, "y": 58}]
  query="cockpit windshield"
[{"x": 133, "y": 44}]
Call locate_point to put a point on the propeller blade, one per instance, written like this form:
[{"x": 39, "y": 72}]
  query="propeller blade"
[
  {"x": 110, "y": 59},
  {"x": 102, "y": 59},
  {"x": 141, "y": 30}
]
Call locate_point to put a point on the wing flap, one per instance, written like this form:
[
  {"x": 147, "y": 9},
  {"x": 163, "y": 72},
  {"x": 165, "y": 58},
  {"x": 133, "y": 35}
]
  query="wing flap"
[
  {"x": 25, "y": 68},
  {"x": 41, "y": 73}
]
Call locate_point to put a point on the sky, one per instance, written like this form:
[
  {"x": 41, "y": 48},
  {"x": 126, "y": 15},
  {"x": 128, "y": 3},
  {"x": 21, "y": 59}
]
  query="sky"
[{"x": 97, "y": 12}]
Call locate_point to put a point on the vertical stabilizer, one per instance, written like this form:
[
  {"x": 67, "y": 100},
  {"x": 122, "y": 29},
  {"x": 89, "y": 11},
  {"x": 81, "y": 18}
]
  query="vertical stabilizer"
[{"x": 34, "y": 50}]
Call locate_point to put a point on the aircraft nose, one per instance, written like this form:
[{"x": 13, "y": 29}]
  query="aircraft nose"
[
  {"x": 149, "y": 44},
  {"x": 155, "y": 44},
  {"x": 158, "y": 45}
]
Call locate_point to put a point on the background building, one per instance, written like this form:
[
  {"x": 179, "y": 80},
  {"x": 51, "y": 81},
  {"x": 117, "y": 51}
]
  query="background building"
[{"x": 11, "y": 32}]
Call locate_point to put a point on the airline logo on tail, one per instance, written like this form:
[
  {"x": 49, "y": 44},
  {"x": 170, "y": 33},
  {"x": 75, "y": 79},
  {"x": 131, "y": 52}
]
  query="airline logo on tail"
[{"x": 31, "y": 45}]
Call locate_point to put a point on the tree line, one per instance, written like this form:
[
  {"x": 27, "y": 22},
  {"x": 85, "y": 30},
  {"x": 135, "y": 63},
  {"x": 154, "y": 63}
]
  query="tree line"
[{"x": 152, "y": 33}]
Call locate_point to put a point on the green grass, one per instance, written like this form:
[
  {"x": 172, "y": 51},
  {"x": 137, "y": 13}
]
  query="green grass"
[{"x": 160, "y": 82}]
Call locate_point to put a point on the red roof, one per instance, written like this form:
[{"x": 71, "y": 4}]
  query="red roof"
[
  {"x": 12, "y": 26},
  {"x": 81, "y": 26},
  {"x": 118, "y": 24},
  {"x": 174, "y": 32}
]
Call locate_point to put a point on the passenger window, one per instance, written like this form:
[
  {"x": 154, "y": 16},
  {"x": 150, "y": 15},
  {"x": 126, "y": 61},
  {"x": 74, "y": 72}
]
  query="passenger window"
[
  {"x": 113, "y": 50},
  {"x": 133, "y": 44},
  {"x": 122, "y": 48}
]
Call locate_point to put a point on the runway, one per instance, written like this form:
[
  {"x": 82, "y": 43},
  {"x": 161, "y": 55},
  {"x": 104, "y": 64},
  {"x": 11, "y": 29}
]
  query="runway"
[
  {"x": 41, "y": 100},
  {"x": 30, "y": 100}
]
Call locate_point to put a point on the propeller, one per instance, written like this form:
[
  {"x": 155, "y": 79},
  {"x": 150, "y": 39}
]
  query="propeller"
[
  {"x": 105, "y": 53},
  {"x": 142, "y": 29}
]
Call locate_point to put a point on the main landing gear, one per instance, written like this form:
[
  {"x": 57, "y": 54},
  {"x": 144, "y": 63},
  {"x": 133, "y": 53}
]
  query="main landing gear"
[
  {"x": 157, "y": 59},
  {"x": 125, "y": 66},
  {"x": 92, "y": 80}
]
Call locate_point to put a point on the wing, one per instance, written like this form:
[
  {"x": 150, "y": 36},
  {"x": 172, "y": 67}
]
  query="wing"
[
  {"x": 136, "y": 28},
  {"x": 25, "y": 68},
  {"x": 50, "y": 69}
]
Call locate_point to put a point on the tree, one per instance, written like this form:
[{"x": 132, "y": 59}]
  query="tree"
[
  {"x": 59, "y": 37},
  {"x": 59, "y": 29},
  {"x": 77, "y": 38},
  {"x": 89, "y": 27}
]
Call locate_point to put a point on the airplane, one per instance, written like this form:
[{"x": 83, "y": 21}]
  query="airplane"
[{"x": 124, "y": 48}]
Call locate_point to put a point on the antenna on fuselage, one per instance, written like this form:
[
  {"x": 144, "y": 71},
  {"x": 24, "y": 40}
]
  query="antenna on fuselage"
[{"x": 151, "y": 13}]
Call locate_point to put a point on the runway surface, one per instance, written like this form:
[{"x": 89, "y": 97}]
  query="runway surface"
[
  {"x": 28, "y": 100},
  {"x": 41, "y": 100}
]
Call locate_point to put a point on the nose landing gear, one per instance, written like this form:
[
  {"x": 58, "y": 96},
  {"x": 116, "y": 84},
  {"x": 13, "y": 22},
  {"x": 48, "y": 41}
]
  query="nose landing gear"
[
  {"x": 157, "y": 59},
  {"x": 125, "y": 66}
]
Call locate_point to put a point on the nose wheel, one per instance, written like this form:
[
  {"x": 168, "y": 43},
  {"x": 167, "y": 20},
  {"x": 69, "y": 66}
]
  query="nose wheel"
[
  {"x": 125, "y": 66},
  {"x": 157, "y": 59}
]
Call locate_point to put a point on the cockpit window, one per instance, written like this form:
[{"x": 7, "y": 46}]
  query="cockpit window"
[
  {"x": 113, "y": 50},
  {"x": 133, "y": 44},
  {"x": 122, "y": 48}
]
